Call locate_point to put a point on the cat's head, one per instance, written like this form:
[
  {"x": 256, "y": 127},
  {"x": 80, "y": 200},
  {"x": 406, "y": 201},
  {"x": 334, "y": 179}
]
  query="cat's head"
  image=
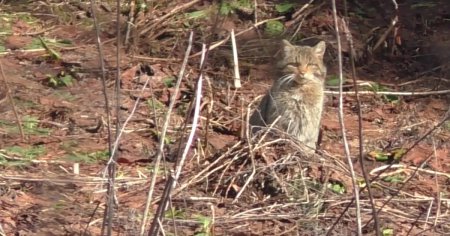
[{"x": 305, "y": 62}]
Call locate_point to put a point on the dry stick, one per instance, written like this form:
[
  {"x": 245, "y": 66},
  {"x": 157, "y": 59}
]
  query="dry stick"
[
  {"x": 112, "y": 165},
  {"x": 296, "y": 16},
  {"x": 2, "y": 232},
  {"x": 341, "y": 121},
  {"x": 11, "y": 101},
  {"x": 169, "y": 14},
  {"x": 390, "y": 28},
  {"x": 360, "y": 128},
  {"x": 130, "y": 22},
  {"x": 198, "y": 98},
  {"x": 249, "y": 179},
  {"x": 213, "y": 219},
  {"x": 425, "y": 230},
  {"x": 427, "y": 217},
  {"x": 122, "y": 129},
  {"x": 117, "y": 85},
  {"x": 210, "y": 108},
  {"x": 156, "y": 223},
  {"x": 255, "y": 4},
  {"x": 154, "y": 229},
  {"x": 217, "y": 44},
  {"x": 91, "y": 218},
  {"x": 446, "y": 117},
  {"x": 237, "y": 76},
  {"x": 438, "y": 187},
  {"x": 163, "y": 135},
  {"x": 226, "y": 166},
  {"x": 252, "y": 155},
  {"x": 405, "y": 169},
  {"x": 107, "y": 215},
  {"x": 417, "y": 219},
  {"x": 392, "y": 93},
  {"x": 383, "y": 37}
]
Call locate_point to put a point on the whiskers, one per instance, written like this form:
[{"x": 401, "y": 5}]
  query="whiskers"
[{"x": 286, "y": 79}]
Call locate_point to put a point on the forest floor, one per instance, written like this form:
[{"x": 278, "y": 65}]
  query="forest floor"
[{"x": 52, "y": 170}]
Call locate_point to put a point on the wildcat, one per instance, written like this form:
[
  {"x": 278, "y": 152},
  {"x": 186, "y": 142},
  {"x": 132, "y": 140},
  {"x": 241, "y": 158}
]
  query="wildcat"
[{"x": 296, "y": 97}]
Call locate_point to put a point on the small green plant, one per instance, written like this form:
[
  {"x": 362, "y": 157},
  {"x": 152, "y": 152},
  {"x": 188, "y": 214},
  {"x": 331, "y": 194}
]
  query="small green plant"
[
  {"x": 284, "y": 7},
  {"x": 393, "y": 155},
  {"x": 167, "y": 138},
  {"x": 69, "y": 145},
  {"x": 169, "y": 81},
  {"x": 397, "y": 178},
  {"x": 205, "y": 226},
  {"x": 202, "y": 14},
  {"x": 154, "y": 104},
  {"x": 333, "y": 80},
  {"x": 336, "y": 188},
  {"x": 230, "y": 7},
  {"x": 31, "y": 126},
  {"x": 361, "y": 183},
  {"x": 380, "y": 88},
  {"x": 84, "y": 157},
  {"x": 387, "y": 232},
  {"x": 274, "y": 28},
  {"x": 64, "y": 95},
  {"x": 59, "y": 205},
  {"x": 61, "y": 80},
  {"x": 35, "y": 44},
  {"x": 21, "y": 155},
  {"x": 173, "y": 213}
]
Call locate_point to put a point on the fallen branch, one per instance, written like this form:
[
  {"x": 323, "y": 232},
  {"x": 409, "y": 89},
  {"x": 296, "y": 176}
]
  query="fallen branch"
[{"x": 391, "y": 93}]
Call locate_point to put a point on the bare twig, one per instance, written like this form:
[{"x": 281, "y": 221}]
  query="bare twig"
[
  {"x": 341, "y": 121},
  {"x": 107, "y": 216},
  {"x": 11, "y": 102},
  {"x": 218, "y": 43},
  {"x": 385, "y": 34},
  {"x": 169, "y": 14},
  {"x": 237, "y": 75},
  {"x": 170, "y": 184},
  {"x": 360, "y": 128},
  {"x": 163, "y": 135},
  {"x": 122, "y": 129},
  {"x": 198, "y": 98},
  {"x": 445, "y": 118},
  {"x": 130, "y": 22},
  {"x": 438, "y": 187},
  {"x": 391, "y": 93}
]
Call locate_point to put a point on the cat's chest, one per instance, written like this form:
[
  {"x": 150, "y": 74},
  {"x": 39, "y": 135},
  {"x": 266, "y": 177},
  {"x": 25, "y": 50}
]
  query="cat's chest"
[{"x": 302, "y": 97}]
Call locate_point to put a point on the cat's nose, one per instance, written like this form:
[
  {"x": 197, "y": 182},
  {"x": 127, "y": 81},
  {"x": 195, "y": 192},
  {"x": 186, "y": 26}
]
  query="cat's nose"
[{"x": 302, "y": 70}]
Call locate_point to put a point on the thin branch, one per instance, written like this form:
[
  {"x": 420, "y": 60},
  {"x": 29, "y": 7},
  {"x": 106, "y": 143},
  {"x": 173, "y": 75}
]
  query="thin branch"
[
  {"x": 360, "y": 126},
  {"x": 341, "y": 121},
  {"x": 163, "y": 135},
  {"x": 218, "y": 43},
  {"x": 198, "y": 98},
  {"x": 237, "y": 76},
  {"x": 107, "y": 216},
  {"x": 439, "y": 92},
  {"x": 11, "y": 102}
]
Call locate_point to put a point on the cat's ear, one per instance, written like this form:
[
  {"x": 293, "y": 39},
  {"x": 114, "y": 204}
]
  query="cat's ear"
[
  {"x": 286, "y": 45},
  {"x": 319, "y": 49}
]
